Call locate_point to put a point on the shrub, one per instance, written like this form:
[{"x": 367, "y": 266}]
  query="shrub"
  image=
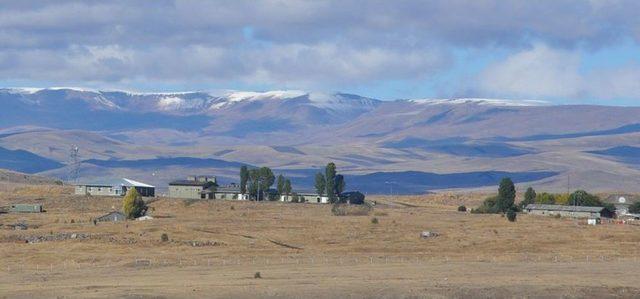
[
  {"x": 257, "y": 275},
  {"x": 233, "y": 208},
  {"x": 350, "y": 210},
  {"x": 164, "y": 237},
  {"x": 462, "y": 208},
  {"x": 374, "y": 220},
  {"x": 132, "y": 205},
  {"x": 488, "y": 206},
  {"x": 511, "y": 215}
]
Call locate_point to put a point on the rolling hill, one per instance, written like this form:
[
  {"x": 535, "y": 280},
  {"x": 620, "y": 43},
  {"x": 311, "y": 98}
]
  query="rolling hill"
[{"x": 446, "y": 143}]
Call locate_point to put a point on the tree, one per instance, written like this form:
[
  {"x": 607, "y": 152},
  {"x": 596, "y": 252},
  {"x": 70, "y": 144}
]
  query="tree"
[
  {"x": 529, "y": 197},
  {"x": 280, "y": 184},
  {"x": 545, "y": 198},
  {"x": 287, "y": 188},
  {"x": 583, "y": 198},
  {"x": 261, "y": 180},
  {"x": 132, "y": 205},
  {"x": 330, "y": 176},
  {"x": 211, "y": 186},
  {"x": 340, "y": 184},
  {"x": 244, "y": 178},
  {"x": 635, "y": 208},
  {"x": 506, "y": 195},
  {"x": 321, "y": 184}
]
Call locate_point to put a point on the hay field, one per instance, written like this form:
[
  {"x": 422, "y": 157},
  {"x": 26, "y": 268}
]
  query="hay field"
[{"x": 215, "y": 249}]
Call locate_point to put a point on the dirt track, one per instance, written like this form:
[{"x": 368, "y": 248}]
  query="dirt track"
[{"x": 302, "y": 250}]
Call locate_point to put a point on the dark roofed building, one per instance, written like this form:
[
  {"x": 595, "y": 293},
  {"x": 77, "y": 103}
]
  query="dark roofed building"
[
  {"x": 191, "y": 188},
  {"x": 566, "y": 211},
  {"x": 622, "y": 202},
  {"x": 115, "y": 188}
]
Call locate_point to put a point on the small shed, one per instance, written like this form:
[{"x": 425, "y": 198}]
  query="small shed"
[
  {"x": 26, "y": 208},
  {"x": 112, "y": 217}
]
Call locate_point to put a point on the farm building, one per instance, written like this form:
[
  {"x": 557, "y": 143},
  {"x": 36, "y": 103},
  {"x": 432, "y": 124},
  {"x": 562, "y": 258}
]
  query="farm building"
[
  {"x": 566, "y": 211},
  {"x": 622, "y": 202},
  {"x": 115, "y": 188},
  {"x": 26, "y": 208},
  {"x": 191, "y": 188},
  {"x": 308, "y": 196},
  {"x": 112, "y": 217}
]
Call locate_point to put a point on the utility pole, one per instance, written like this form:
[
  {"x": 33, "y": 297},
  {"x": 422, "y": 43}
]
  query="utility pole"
[{"x": 74, "y": 172}]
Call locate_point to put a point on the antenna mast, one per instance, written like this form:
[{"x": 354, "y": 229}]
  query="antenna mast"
[{"x": 74, "y": 171}]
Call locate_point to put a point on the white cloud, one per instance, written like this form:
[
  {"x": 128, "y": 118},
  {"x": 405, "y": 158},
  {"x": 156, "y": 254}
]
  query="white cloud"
[{"x": 545, "y": 73}]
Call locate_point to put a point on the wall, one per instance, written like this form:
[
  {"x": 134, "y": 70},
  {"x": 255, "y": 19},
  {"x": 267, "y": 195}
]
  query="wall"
[
  {"x": 98, "y": 190},
  {"x": 565, "y": 214},
  {"x": 190, "y": 192}
]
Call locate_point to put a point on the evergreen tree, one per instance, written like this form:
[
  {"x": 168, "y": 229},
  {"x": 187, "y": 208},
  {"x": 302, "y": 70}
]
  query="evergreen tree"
[
  {"x": 280, "y": 185},
  {"x": 132, "y": 204},
  {"x": 529, "y": 197},
  {"x": 287, "y": 188},
  {"x": 330, "y": 177},
  {"x": 321, "y": 184},
  {"x": 506, "y": 195},
  {"x": 340, "y": 184},
  {"x": 244, "y": 178}
]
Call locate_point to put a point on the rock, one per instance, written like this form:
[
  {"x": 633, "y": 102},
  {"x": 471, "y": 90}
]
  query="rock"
[{"x": 428, "y": 234}]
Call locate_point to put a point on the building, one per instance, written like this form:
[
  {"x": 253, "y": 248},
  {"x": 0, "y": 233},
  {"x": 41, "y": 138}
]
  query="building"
[
  {"x": 622, "y": 202},
  {"x": 26, "y": 208},
  {"x": 192, "y": 187},
  {"x": 114, "y": 216},
  {"x": 228, "y": 192},
  {"x": 566, "y": 211},
  {"x": 307, "y": 196},
  {"x": 115, "y": 188}
]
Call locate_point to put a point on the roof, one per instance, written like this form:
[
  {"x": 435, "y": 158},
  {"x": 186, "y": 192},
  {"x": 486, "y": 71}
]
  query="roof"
[
  {"x": 116, "y": 213},
  {"x": 187, "y": 183},
  {"x": 307, "y": 192},
  {"x": 118, "y": 182},
  {"x": 564, "y": 208}
]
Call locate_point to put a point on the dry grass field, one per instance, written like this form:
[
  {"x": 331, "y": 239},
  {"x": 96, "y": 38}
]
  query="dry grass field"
[{"x": 215, "y": 249}]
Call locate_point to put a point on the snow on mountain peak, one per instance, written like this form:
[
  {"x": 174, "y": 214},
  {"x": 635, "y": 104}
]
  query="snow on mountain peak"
[{"x": 238, "y": 96}]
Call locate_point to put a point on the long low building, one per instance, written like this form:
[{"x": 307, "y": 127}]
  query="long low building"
[
  {"x": 305, "y": 196},
  {"x": 566, "y": 211},
  {"x": 115, "y": 188}
]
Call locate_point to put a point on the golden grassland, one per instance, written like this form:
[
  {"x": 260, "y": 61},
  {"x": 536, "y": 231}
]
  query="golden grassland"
[{"x": 303, "y": 250}]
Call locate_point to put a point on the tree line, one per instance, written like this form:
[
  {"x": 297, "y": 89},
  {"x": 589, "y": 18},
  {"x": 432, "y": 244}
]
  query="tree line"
[
  {"x": 258, "y": 182},
  {"x": 504, "y": 201}
]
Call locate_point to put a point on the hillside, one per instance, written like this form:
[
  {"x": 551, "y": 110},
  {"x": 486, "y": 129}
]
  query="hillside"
[
  {"x": 157, "y": 137},
  {"x": 12, "y": 177}
]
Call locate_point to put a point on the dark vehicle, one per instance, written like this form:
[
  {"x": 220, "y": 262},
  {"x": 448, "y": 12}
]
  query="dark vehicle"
[{"x": 352, "y": 197}]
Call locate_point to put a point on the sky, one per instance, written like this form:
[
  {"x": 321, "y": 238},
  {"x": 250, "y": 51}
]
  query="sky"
[{"x": 585, "y": 51}]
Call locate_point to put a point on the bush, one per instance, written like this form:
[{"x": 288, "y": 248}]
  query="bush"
[
  {"x": 257, "y": 275},
  {"x": 374, "y": 220},
  {"x": 350, "y": 210},
  {"x": 488, "y": 206},
  {"x": 164, "y": 238},
  {"x": 545, "y": 198},
  {"x": 511, "y": 215},
  {"x": 132, "y": 205},
  {"x": 462, "y": 208}
]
